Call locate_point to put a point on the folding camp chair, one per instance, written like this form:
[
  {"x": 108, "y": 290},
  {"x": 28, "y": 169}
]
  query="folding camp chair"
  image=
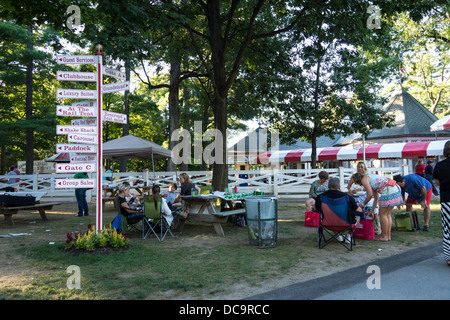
[
  {"x": 334, "y": 222},
  {"x": 130, "y": 222},
  {"x": 154, "y": 219}
]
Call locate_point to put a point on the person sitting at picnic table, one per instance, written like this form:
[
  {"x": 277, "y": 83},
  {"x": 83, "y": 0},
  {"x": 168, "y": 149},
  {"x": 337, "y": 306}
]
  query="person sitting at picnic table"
[
  {"x": 170, "y": 196},
  {"x": 186, "y": 187},
  {"x": 419, "y": 191},
  {"x": 317, "y": 187},
  {"x": 127, "y": 209}
]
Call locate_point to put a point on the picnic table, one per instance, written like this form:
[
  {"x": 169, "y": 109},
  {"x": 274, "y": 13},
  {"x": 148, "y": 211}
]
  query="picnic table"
[
  {"x": 40, "y": 207},
  {"x": 212, "y": 208}
]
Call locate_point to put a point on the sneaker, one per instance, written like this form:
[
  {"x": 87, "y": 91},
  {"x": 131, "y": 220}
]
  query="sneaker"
[{"x": 425, "y": 228}]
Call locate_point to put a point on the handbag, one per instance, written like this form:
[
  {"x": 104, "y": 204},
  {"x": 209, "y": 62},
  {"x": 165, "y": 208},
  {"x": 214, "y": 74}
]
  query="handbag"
[
  {"x": 365, "y": 229},
  {"x": 8, "y": 200},
  {"x": 312, "y": 219}
]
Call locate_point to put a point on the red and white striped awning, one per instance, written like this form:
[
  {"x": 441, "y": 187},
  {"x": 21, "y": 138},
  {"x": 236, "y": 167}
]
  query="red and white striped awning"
[
  {"x": 60, "y": 157},
  {"x": 441, "y": 124},
  {"x": 372, "y": 151}
]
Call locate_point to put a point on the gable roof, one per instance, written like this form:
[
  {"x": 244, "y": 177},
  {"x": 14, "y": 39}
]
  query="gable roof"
[{"x": 412, "y": 119}]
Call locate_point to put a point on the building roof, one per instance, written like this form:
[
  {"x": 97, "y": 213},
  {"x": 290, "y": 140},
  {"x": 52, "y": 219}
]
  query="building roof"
[{"x": 411, "y": 117}]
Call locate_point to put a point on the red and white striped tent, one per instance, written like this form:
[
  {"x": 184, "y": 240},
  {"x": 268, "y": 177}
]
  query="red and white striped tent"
[
  {"x": 441, "y": 124},
  {"x": 60, "y": 157},
  {"x": 349, "y": 153}
]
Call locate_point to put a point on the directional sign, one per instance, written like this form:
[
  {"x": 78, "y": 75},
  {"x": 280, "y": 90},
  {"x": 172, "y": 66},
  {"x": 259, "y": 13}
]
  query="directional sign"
[
  {"x": 88, "y": 103},
  {"x": 74, "y": 183},
  {"x": 76, "y": 111},
  {"x": 76, "y": 94},
  {"x": 76, "y": 76},
  {"x": 76, "y": 148},
  {"x": 114, "y": 73},
  {"x": 75, "y": 167},
  {"x": 71, "y": 59},
  {"x": 82, "y": 138},
  {"x": 114, "y": 117},
  {"x": 76, "y": 129},
  {"x": 113, "y": 87},
  {"x": 82, "y": 158},
  {"x": 84, "y": 122}
]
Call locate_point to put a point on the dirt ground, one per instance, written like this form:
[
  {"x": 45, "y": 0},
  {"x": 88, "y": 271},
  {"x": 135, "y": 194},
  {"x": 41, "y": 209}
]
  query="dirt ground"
[{"x": 14, "y": 273}]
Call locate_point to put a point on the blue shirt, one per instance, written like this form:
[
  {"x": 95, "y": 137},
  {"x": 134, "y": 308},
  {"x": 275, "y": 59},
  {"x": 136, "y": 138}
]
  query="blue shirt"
[{"x": 415, "y": 183}]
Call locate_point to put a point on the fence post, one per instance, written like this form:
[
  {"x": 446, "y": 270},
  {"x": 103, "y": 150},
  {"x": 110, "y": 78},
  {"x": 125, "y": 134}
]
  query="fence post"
[
  {"x": 275, "y": 181},
  {"x": 35, "y": 183},
  {"x": 341, "y": 177},
  {"x": 405, "y": 170}
]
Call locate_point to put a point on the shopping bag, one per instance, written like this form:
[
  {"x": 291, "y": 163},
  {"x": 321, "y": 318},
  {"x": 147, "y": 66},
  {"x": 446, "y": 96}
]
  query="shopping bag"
[
  {"x": 312, "y": 219},
  {"x": 364, "y": 229},
  {"x": 407, "y": 221}
]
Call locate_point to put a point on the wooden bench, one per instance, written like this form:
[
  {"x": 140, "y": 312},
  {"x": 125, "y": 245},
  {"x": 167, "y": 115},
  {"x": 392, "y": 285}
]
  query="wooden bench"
[{"x": 40, "y": 207}]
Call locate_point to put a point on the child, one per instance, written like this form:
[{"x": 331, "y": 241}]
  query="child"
[{"x": 171, "y": 195}]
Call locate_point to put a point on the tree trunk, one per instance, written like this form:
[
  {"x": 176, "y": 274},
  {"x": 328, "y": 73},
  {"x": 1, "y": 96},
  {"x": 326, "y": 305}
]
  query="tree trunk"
[
  {"x": 126, "y": 126},
  {"x": 220, "y": 168},
  {"x": 29, "y": 111},
  {"x": 174, "y": 106}
]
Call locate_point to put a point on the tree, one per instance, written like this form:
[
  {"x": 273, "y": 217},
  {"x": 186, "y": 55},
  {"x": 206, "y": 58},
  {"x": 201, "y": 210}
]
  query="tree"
[
  {"x": 423, "y": 46},
  {"x": 221, "y": 32},
  {"x": 331, "y": 87}
]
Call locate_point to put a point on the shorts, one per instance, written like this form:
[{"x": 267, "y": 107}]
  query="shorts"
[{"x": 428, "y": 199}]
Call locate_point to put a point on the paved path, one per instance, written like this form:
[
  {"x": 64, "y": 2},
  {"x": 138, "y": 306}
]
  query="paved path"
[{"x": 418, "y": 274}]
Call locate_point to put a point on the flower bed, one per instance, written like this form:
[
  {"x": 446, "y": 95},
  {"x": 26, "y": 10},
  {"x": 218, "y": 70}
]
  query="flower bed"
[{"x": 90, "y": 241}]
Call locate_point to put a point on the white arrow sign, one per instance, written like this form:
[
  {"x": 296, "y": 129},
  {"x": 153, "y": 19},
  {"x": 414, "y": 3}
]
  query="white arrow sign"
[
  {"x": 76, "y": 111},
  {"x": 114, "y": 117},
  {"x": 76, "y": 76},
  {"x": 60, "y": 129},
  {"x": 114, "y": 73},
  {"x": 76, "y": 148},
  {"x": 74, "y": 183},
  {"x": 82, "y": 158},
  {"x": 76, "y": 94},
  {"x": 71, "y": 59},
  {"x": 84, "y": 122},
  {"x": 82, "y": 138},
  {"x": 73, "y": 168},
  {"x": 113, "y": 87},
  {"x": 89, "y": 103}
]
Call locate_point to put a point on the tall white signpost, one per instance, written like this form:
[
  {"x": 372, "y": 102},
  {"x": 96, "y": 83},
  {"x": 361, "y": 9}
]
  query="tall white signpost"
[
  {"x": 99, "y": 206},
  {"x": 86, "y": 132}
]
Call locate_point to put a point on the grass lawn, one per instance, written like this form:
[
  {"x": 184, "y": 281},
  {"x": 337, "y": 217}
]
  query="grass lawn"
[{"x": 197, "y": 264}]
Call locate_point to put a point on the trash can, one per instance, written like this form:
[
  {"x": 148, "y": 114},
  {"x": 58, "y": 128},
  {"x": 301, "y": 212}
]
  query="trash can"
[{"x": 262, "y": 218}]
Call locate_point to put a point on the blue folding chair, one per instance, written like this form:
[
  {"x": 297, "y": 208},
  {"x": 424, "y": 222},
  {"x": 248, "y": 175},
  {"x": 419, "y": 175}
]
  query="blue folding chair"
[{"x": 335, "y": 222}]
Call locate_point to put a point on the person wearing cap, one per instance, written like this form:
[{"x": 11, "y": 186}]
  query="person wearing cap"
[
  {"x": 429, "y": 176},
  {"x": 419, "y": 192}
]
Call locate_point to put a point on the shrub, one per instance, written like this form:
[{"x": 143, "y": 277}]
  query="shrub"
[{"x": 90, "y": 240}]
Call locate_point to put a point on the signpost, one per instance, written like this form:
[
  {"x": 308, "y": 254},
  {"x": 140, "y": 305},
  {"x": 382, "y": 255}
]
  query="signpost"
[
  {"x": 74, "y": 183},
  {"x": 75, "y": 94},
  {"x": 60, "y": 129},
  {"x": 75, "y": 167},
  {"x": 75, "y": 76},
  {"x": 86, "y": 133},
  {"x": 76, "y": 111}
]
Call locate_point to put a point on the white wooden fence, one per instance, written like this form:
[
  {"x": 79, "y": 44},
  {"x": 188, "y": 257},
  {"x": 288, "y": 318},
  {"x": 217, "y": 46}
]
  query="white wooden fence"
[{"x": 291, "y": 183}]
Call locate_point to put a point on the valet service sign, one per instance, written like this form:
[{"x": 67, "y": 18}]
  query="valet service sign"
[{"x": 84, "y": 135}]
